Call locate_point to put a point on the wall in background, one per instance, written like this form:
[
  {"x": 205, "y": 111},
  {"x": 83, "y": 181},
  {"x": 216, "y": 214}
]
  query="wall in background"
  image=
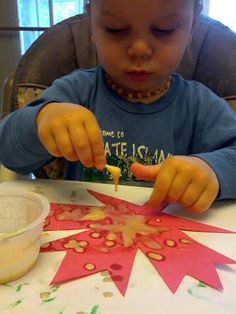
[
  {"x": 28, "y": 13},
  {"x": 224, "y": 11},
  {"x": 206, "y": 7}
]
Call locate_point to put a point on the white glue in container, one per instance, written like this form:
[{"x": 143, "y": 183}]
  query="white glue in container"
[{"x": 22, "y": 214}]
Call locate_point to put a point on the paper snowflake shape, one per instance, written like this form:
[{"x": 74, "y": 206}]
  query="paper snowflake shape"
[{"x": 117, "y": 230}]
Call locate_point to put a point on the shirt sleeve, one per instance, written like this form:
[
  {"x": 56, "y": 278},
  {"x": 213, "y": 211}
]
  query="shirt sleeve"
[
  {"x": 21, "y": 149},
  {"x": 217, "y": 146}
]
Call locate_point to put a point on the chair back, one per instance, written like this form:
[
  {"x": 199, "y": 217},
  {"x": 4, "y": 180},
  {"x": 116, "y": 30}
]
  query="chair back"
[{"x": 210, "y": 58}]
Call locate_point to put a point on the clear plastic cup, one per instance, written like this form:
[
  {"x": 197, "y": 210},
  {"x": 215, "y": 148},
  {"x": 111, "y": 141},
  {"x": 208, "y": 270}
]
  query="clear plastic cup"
[{"x": 22, "y": 214}]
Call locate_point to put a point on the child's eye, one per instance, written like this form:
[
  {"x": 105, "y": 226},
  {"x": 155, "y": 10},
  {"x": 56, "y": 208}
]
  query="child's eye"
[
  {"x": 116, "y": 31},
  {"x": 163, "y": 32}
]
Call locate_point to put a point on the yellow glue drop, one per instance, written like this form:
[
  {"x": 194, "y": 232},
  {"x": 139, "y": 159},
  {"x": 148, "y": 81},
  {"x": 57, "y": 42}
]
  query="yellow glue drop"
[{"x": 115, "y": 173}]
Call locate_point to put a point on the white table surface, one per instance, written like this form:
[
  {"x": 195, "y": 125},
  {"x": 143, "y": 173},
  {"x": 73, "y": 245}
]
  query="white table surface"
[{"x": 147, "y": 292}]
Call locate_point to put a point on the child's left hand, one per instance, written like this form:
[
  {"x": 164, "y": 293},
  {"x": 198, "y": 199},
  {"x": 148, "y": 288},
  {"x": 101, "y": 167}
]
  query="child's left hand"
[{"x": 186, "y": 180}]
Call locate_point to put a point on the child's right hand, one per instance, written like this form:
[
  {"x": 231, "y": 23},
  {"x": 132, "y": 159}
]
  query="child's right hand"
[{"x": 71, "y": 131}]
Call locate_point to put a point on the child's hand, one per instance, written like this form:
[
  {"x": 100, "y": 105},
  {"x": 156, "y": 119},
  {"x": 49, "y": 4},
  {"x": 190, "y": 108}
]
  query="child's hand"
[
  {"x": 71, "y": 131},
  {"x": 189, "y": 181}
]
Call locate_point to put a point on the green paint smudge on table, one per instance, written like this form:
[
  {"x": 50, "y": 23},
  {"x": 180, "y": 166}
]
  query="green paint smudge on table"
[
  {"x": 18, "y": 288},
  {"x": 55, "y": 289},
  {"x": 49, "y": 300},
  {"x": 45, "y": 295},
  {"x": 201, "y": 285},
  {"x": 196, "y": 289},
  {"x": 189, "y": 290},
  {"x": 16, "y": 303},
  {"x": 95, "y": 309}
]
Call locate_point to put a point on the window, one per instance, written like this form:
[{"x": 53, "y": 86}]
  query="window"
[
  {"x": 44, "y": 13},
  {"x": 224, "y": 11}
]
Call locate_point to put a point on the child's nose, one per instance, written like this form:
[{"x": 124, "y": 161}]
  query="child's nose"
[{"x": 140, "y": 49}]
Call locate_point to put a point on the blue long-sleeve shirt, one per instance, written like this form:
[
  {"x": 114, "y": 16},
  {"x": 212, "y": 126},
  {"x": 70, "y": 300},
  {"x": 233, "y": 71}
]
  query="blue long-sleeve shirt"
[{"x": 188, "y": 120}]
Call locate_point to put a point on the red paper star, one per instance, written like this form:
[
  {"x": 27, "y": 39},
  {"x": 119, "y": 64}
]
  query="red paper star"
[{"x": 117, "y": 230}]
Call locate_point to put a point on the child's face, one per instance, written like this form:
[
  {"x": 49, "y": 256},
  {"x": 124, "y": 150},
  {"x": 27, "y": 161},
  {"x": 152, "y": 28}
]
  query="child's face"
[{"x": 141, "y": 42}]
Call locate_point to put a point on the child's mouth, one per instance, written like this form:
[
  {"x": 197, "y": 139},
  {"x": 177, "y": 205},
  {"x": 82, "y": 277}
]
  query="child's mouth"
[{"x": 139, "y": 76}]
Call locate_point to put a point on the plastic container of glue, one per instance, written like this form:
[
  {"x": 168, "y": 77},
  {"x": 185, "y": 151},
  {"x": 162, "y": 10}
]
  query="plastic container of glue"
[{"x": 22, "y": 215}]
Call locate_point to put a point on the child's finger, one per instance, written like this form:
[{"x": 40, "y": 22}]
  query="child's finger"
[
  {"x": 81, "y": 143},
  {"x": 96, "y": 143},
  {"x": 162, "y": 185},
  {"x": 203, "y": 203},
  {"x": 49, "y": 143},
  {"x": 192, "y": 193},
  {"x": 206, "y": 198},
  {"x": 187, "y": 185},
  {"x": 143, "y": 172},
  {"x": 64, "y": 144},
  {"x": 177, "y": 189}
]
